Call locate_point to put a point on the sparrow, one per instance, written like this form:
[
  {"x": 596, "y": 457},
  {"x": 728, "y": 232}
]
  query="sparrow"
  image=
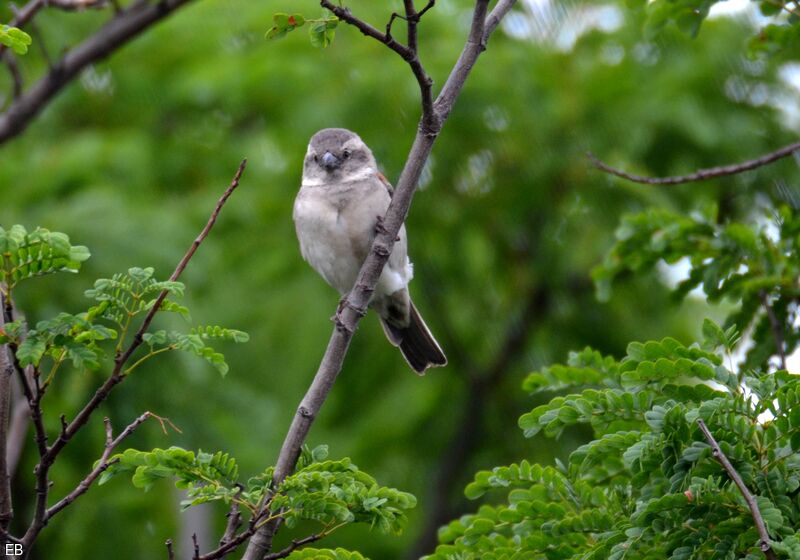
[{"x": 342, "y": 199}]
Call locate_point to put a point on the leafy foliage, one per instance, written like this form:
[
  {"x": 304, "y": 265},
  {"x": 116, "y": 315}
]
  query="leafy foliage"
[
  {"x": 754, "y": 265},
  {"x": 79, "y": 338},
  {"x": 15, "y": 39},
  {"x": 321, "y": 31},
  {"x": 36, "y": 253},
  {"x": 647, "y": 485},
  {"x": 779, "y": 33},
  {"x": 331, "y": 492}
]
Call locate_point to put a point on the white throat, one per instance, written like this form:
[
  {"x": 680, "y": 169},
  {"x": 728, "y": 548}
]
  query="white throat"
[{"x": 360, "y": 175}]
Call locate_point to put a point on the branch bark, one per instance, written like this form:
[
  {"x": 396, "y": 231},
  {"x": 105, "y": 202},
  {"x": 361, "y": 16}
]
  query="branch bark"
[
  {"x": 6, "y": 372},
  {"x": 69, "y": 430},
  {"x": 764, "y": 539},
  {"x": 348, "y": 316},
  {"x": 102, "y": 464},
  {"x": 126, "y": 25},
  {"x": 702, "y": 174}
]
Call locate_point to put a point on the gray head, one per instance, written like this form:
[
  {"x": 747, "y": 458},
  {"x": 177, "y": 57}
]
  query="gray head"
[{"x": 336, "y": 154}]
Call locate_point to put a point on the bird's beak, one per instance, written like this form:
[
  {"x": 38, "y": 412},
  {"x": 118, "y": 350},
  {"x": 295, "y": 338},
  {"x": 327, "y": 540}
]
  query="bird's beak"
[{"x": 330, "y": 161}]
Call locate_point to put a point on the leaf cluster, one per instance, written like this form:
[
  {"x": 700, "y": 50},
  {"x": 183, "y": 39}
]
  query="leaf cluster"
[
  {"x": 648, "y": 485},
  {"x": 15, "y": 39},
  {"x": 779, "y": 32},
  {"x": 754, "y": 265},
  {"x": 37, "y": 253},
  {"x": 331, "y": 492},
  {"x": 82, "y": 338},
  {"x": 321, "y": 31}
]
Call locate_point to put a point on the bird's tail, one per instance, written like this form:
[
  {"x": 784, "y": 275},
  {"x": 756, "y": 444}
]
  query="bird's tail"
[{"x": 416, "y": 342}]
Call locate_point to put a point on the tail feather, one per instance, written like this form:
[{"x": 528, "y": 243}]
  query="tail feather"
[{"x": 416, "y": 342}]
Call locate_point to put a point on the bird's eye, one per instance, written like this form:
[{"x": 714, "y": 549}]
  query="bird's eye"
[
  {"x": 346, "y": 154},
  {"x": 316, "y": 157}
]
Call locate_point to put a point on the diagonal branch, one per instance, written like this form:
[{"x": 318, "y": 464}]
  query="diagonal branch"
[
  {"x": 348, "y": 316},
  {"x": 102, "y": 464},
  {"x": 126, "y": 25},
  {"x": 294, "y": 545},
  {"x": 702, "y": 174},
  {"x": 69, "y": 430},
  {"x": 748, "y": 497}
]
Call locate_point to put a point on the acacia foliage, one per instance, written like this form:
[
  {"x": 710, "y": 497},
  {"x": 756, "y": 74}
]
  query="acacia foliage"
[{"x": 647, "y": 485}]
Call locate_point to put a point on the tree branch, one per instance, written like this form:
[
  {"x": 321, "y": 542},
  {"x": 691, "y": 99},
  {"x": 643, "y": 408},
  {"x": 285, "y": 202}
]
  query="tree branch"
[
  {"x": 348, "y": 316},
  {"x": 102, "y": 464},
  {"x": 117, "y": 376},
  {"x": 777, "y": 328},
  {"x": 295, "y": 544},
  {"x": 748, "y": 497},
  {"x": 6, "y": 372},
  {"x": 702, "y": 174},
  {"x": 407, "y": 53},
  {"x": 234, "y": 521},
  {"x": 126, "y": 25}
]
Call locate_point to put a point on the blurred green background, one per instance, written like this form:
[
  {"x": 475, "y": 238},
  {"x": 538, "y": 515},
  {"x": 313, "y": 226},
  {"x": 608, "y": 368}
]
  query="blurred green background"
[{"x": 509, "y": 220}]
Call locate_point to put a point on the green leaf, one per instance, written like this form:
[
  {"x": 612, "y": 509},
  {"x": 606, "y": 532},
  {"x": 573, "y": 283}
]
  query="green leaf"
[
  {"x": 16, "y": 39},
  {"x": 322, "y": 33},
  {"x": 32, "y": 349}
]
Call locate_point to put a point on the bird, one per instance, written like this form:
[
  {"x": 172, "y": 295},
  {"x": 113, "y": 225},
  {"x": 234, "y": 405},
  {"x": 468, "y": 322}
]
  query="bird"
[{"x": 342, "y": 200}]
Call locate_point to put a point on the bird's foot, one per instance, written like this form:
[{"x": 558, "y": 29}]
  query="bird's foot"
[{"x": 381, "y": 229}]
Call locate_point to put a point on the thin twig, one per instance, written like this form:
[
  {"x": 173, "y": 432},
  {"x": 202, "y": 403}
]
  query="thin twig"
[
  {"x": 777, "y": 327},
  {"x": 170, "y": 552},
  {"x": 116, "y": 376},
  {"x": 125, "y": 26},
  {"x": 102, "y": 464},
  {"x": 347, "y": 317},
  {"x": 412, "y": 19},
  {"x": 6, "y": 373},
  {"x": 196, "y": 547},
  {"x": 764, "y": 543},
  {"x": 77, "y": 5},
  {"x": 295, "y": 544},
  {"x": 234, "y": 516},
  {"x": 16, "y": 76},
  {"x": 429, "y": 119},
  {"x": 702, "y": 174}
]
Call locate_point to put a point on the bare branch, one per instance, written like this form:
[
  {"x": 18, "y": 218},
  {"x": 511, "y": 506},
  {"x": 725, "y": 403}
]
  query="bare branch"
[
  {"x": 116, "y": 377},
  {"x": 412, "y": 19},
  {"x": 113, "y": 35},
  {"x": 6, "y": 373},
  {"x": 348, "y": 316},
  {"x": 17, "y": 432},
  {"x": 16, "y": 76},
  {"x": 429, "y": 120},
  {"x": 102, "y": 464},
  {"x": 702, "y": 174},
  {"x": 234, "y": 521},
  {"x": 295, "y": 544},
  {"x": 77, "y": 5},
  {"x": 777, "y": 328},
  {"x": 170, "y": 552},
  {"x": 748, "y": 497}
]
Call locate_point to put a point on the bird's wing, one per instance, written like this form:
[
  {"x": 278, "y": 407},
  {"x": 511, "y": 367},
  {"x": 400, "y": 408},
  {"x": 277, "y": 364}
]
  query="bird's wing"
[{"x": 385, "y": 182}]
